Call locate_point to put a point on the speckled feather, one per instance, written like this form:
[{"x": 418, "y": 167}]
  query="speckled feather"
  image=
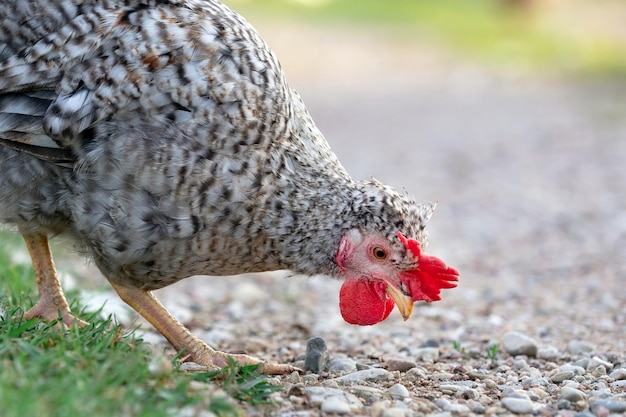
[{"x": 163, "y": 137}]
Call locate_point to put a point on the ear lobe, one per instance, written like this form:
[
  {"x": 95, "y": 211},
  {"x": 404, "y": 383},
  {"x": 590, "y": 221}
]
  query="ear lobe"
[{"x": 364, "y": 302}]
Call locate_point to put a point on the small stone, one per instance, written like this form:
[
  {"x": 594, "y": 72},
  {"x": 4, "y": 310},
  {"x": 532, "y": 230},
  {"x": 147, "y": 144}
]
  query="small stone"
[
  {"x": 361, "y": 366},
  {"x": 458, "y": 409},
  {"x": 416, "y": 374},
  {"x": 430, "y": 343},
  {"x": 597, "y": 372},
  {"x": 561, "y": 376},
  {"x": 335, "y": 405},
  {"x": 549, "y": 353},
  {"x": 368, "y": 393},
  {"x": 538, "y": 392},
  {"x": 516, "y": 343},
  {"x": 394, "y": 412},
  {"x": 342, "y": 365},
  {"x": 442, "y": 403},
  {"x": 572, "y": 394},
  {"x": 517, "y": 405},
  {"x": 476, "y": 407},
  {"x": 584, "y": 414},
  {"x": 192, "y": 367},
  {"x": 582, "y": 362},
  {"x": 470, "y": 394},
  {"x": 398, "y": 392},
  {"x": 612, "y": 406},
  {"x": 330, "y": 383},
  {"x": 618, "y": 374},
  {"x": 597, "y": 361},
  {"x": 563, "y": 404},
  {"x": 577, "y": 370},
  {"x": 491, "y": 384},
  {"x": 316, "y": 359},
  {"x": 373, "y": 374},
  {"x": 427, "y": 354},
  {"x": 310, "y": 379},
  {"x": 298, "y": 413},
  {"x": 320, "y": 395},
  {"x": 377, "y": 409},
  {"x": 449, "y": 389},
  {"x": 441, "y": 376},
  {"x": 521, "y": 365},
  {"x": 294, "y": 377},
  {"x": 399, "y": 364},
  {"x": 580, "y": 346}
]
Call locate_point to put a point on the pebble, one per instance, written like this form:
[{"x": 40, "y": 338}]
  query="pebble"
[
  {"x": 441, "y": 376},
  {"x": 335, "y": 405},
  {"x": 398, "y": 392},
  {"x": 458, "y": 409},
  {"x": 618, "y": 374},
  {"x": 549, "y": 353},
  {"x": 377, "y": 409},
  {"x": 597, "y": 361},
  {"x": 364, "y": 391},
  {"x": 316, "y": 359},
  {"x": 334, "y": 399},
  {"x": 572, "y": 394},
  {"x": 580, "y": 346},
  {"x": 342, "y": 365},
  {"x": 577, "y": 370},
  {"x": 518, "y": 405},
  {"x": 449, "y": 389},
  {"x": 374, "y": 374},
  {"x": 561, "y": 376},
  {"x": 516, "y": 343},
  {"x": 612, "y": 406},
  {"x": 427, "y": 354},
  {"x": 394, "y": 412},
  {"x": 399, "y": 364},
  {"x": 310, "y": 379},
  {"x": 537, "y": 392}
]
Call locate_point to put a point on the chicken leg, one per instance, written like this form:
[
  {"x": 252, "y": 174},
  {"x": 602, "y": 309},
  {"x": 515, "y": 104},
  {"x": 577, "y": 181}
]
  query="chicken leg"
[
  {"x": 181, "y": 338},
  {"x": 52, "y": 303}
]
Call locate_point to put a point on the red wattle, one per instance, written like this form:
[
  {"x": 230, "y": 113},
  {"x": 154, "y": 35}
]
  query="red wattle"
[{"x": 364, "y": 302}]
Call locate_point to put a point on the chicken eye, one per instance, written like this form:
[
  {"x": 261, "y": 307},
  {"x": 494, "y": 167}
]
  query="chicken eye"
[{"x": 379, "y": 253}]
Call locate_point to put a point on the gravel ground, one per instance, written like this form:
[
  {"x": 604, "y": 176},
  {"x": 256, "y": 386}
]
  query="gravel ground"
[{"x": 529, "y": 174}]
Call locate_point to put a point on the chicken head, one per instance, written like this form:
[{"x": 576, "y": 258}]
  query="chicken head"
[{"x": 379, "y": 274}]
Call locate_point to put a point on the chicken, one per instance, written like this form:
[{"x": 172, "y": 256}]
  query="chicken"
[{"x": 163, "y": 139}]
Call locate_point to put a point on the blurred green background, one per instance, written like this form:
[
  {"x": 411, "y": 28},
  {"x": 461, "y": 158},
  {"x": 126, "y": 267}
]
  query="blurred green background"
[{"x": 582, "y": 37}]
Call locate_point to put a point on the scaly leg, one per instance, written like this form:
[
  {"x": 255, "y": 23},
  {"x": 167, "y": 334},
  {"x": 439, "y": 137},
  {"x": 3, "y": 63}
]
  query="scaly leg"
[
  {"x": 52, "y": 302},
  {"x": 181, "y": 338}
]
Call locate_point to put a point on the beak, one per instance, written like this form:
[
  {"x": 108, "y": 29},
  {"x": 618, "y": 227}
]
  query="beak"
[{"x": 403, "y": 301}]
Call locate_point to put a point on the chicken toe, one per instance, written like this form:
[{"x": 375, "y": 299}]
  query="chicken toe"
[
  {"x": 195, "y": 350},
  {"x": 52, "y": 303}
]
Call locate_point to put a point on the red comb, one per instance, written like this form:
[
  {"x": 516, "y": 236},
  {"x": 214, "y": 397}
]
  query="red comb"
[{"x": 429, "y": 277}]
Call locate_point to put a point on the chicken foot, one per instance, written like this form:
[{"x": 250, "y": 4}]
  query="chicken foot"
[
  {"x": 52, "y": 303},
  {"x": 195, "y": 350}
]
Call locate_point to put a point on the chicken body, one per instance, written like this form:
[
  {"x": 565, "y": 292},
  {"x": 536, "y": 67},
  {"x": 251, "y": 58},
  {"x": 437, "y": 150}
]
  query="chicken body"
[{"x": 163, "y": 138}]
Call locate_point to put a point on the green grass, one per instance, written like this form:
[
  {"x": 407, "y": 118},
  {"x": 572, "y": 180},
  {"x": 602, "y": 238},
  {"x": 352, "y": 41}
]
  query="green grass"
[
  {"x": 100, "y": 369},
  {"x": 482, "y": 29}
]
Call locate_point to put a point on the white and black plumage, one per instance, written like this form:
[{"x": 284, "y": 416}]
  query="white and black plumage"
[{"x": 163, "y": 138}]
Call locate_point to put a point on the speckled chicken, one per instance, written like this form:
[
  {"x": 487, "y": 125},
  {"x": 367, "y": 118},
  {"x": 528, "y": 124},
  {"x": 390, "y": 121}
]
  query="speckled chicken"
[{"x": 162, "y": 137}]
